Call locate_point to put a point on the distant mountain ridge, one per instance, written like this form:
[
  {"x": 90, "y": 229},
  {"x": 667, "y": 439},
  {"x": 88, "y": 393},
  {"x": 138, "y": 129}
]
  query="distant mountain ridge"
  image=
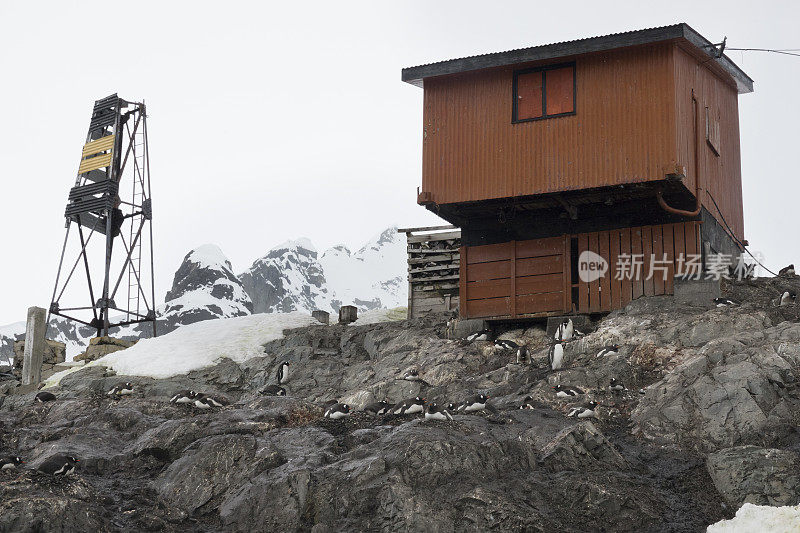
[{"x": 291, "y": 276}]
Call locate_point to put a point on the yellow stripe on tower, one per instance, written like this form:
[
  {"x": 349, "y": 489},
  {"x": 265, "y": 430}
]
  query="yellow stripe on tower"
[
  {"x": 100, "y": 145},
  {"x": 94, "y": 163}
]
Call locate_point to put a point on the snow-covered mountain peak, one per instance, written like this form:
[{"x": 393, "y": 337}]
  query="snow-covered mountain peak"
[
  {"x": 301, "y": 244},
  {"x": 209, "y": 256}
]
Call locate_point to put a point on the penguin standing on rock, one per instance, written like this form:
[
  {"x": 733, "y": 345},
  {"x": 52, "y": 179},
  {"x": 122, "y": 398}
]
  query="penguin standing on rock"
[
  {"x": 479, "y": 336},
  {"x": 412, "y": 375},
  {"x": 283, "y": 373},
  {"x": 567, "y": 391},
  {"x": 588, "y": 410},
  {"x": 121, "y": 389},
  {"x": 787, "y": 271},
  {"x": 724, "y": 302},
  {"x": 44, "y": 396},
  {"x": 787, "y": 298},
  {"x": 616, "y": 386},
  {"x": 522, "y": 355},
  {"x": 434, "y": 412},
  {"x": 556, "y": 356},
  {"x": 337, "y": 411},
  {"x": 474, "y": 403},
  {"x": 378, "y": 408},
  {"x": 527, "y": 403},
  {"x": 505, "y": 344},
  {"x": 59, "y": 465},
  {"x": 409, "y": 407},
  {"x": 565, "y": 331},
  {"x": 10, "y": 463},
  {"x": 273, "y": 390}
]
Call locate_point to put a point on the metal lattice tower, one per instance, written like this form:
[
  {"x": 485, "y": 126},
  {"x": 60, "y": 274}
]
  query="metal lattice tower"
[{"x": 115, "y": 160}]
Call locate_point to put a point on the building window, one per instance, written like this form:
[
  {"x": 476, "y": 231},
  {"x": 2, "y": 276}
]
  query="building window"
[
  {"x": 712, "y": 131},
  {"x": 544, "y": 92}
]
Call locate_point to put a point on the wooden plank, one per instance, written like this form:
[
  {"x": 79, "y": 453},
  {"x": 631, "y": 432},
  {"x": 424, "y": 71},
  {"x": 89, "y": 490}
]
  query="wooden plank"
[
  {"x": 658, "y": 250},
  {"x": 100, "y": 145},
  {"x": 669, "y": 249},
  {"x": 539, "y": 284},
  {"x": 636, "y": 253},
  {"x": 625, "y": 249},
  {"x": 439, "y": 251},
  {"x": 94, "y": 163},
  {"x": 594, "y": 286},
  {"x": 692, "y": 242},
  {"x": 540, "y": 247},
  {"x": 616, "y": 285},
  {"x": 462, "y": 281},
  {"x": 566, "y": 278},
  {"x": 494, "y": 288},
  {"x": 446, "y": 236},
  {"x": 647, "y": 250},
  {"x": 437, "y": 268},
  {"x": 539, "y": 303},
  {"x": 484, "y": 271},
  {"x": 489, "y": 252},
  {"x": 532, "y": 266},
  {"x": 488, "y": 307},
  {"x": 680, "y": 248},
  {"x": 513, "y": 278},
  {"x": 436, "y": 286},
  {"x": 435, "y": 279},
  {"x": 603, "y": 248},
  {"x": 426, "y": 228},
  {"x": 446, "y": 256},
  {"x": 583, "y": 287}
]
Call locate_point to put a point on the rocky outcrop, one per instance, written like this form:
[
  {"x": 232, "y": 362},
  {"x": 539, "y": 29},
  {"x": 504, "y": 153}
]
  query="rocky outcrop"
[
  {"x": 100, "y": 346},
  {"x": 676, "y": 458},
  {"x": 54, "y": 353},
  {"x": 761, "y": 476}
]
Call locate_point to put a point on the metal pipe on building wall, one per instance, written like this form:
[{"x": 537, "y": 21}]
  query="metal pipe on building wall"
[{"x": 660, "y": 194}]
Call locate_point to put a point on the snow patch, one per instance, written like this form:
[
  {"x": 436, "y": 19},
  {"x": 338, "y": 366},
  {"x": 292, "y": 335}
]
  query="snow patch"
[
  {"x": 209, "y": 256},
  {"x": 197, "y": 346},
  {"x": 375, "y": 316},
  {"x": 761, "y": 518},
  {"x": 296, "y": 243}
]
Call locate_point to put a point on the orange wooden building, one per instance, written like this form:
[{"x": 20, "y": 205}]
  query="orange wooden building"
[{"x": 623, "y": 144}]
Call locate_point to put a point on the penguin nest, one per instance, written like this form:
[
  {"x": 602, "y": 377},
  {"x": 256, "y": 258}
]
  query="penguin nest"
[{"x": 302, "y": 416}]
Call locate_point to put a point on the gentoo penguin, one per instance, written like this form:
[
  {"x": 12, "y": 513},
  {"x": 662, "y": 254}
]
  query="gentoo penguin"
[
  {"x": 567, "y": 391},
  {"x": 121, "y": 389},
  {"x": 522, "y": 355},
  {"x": 184, "y": 396},
  {"x": 412, "y": 375},
  {"x": 565, "y": 331},
  {"x": 479, "y": 336},
  {"x": 611, "y": 349},
  {"x": 337, "y": 410},
  {"x": 616, "y": 386},
  {"x": 283, "y": 373},
  {"x": 273, "y": 390},
  {"x": 505, "y": 344},
  {"x": 409, "y": 407},
  {"x": 527, "y": 403},
  {"x": 724, "y": 302},
  {"x": 474, "y": 403},
  {"x": 44, "y": 396},
  {"x": 788, "y": 298},
  {"x": 588, "y": 410},
  {"x": 207, "y": 402},
  {"x": 59, "y": 465},
  {"x": 452, "y": 407},
  {"x": 378, "y": 408},
  {"x": 10, "y": 463},
  {"x": 434, "y": 412},
  {"x": 787, "y": 271},
  {"x": 556, "y": 356}
]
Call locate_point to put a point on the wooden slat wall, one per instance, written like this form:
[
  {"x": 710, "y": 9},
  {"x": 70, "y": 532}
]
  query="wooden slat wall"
[
  {"x": 669, "y": 240},
  {"x": 513, "y": 279}
]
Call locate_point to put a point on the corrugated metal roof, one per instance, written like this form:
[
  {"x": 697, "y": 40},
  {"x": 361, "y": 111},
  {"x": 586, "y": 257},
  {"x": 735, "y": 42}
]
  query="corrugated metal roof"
[{"x": 416, "y": 75}]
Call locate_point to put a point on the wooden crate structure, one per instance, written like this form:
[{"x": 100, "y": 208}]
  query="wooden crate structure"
[
  {"x": 535, "y": 278},
  {"x": 433, "y": 269}
]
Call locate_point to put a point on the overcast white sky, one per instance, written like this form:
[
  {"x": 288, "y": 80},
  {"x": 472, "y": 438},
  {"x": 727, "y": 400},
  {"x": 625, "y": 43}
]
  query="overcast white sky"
[{"x": 271, "y": 121}]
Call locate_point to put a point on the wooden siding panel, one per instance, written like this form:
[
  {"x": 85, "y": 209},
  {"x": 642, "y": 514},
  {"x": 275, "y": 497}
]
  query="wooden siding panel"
[
  {"x": 583, "y": 287},
  {"x": 539, "y": 284},
  {"x": 532, "y": 266},
  {"x": 720, "y": 174},
  {"x": 616, "y": 284},
  {"x": 669, "y": 250},
  {"x": 623, "y": 130},
  {"x": 594, "y": 286},
  {"x": 636, "y": 253},
  {"x": 539, "y": 303},
  {"x": 658, "y": 253},
  {"x": 492, "y": 288},
  {"x": 604, "y": 249},
  {"x": 648, "y": 285},
  {"x": 540, "y": 247},
  {"x": 488, "y": 307},
  {"x": 625, "y": 248},
  {"x": 489, "y": 252},
  {"x": 484, "y": 271}
]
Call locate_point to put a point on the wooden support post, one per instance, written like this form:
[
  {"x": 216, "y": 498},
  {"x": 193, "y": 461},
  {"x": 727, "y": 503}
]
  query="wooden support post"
[
  {"x": 322, "y": 316},
  {"x": 347, "y": 314},
  {"x": 34, "y": 346}
]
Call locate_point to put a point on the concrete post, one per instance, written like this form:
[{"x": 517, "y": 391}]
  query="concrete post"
[
  {"x": 34, "y": 346},
  {"x": 348, "y": 314},
  {"x": 322, "y": 316}
]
